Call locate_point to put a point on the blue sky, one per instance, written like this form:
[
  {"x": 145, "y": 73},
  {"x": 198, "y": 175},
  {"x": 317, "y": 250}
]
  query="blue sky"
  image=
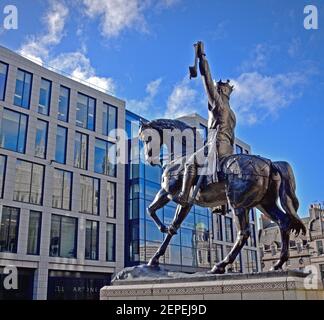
[{"x": 141, "y": 50}]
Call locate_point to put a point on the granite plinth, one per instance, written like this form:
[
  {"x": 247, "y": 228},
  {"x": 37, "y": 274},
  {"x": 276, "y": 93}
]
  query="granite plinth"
[{"x": 146, "y": 283}]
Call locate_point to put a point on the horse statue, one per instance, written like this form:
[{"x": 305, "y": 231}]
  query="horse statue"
[{"x": 247, "y": 181}]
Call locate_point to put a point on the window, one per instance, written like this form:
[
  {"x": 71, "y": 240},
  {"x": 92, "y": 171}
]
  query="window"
[
  {"x": 44, "y": 97},
  {"x": 13, "y": 131},
  {"x": 105, "y": 157},
  {"x": 203, "y": 130},
  {"x": 29, "y": 182},
  {"x": 252, "y": 238},
  {"x": 41, "y": 139},
  {"x": 62, "y": 187},
  {"x": 89, "y": 195},
  {"x": 319, "y": 246},
  {"x": 91, "y": 244},
  {"x": 34, "y": 232},
  {"x": 251, "y": 264},
  {"x": 109, "y": 120},
  {"x": 111, "y": 199},
  {"x": 228, "y": 229},
  {"x": 64, "y": 104},
  {"x": 218, "y": 226},
  {"x": 61, "y": 142},
  {"x": 63, "y": 237},
  {"x": 86, "y": 112},
  {"x": 23, "y": 89},
  {"x": 3, "y": 162},
  {"x": 239, "y": 149},
  {"x": 9, "y": 229},
  {"x": 3, "y": 79},
  {"x": 110, "y": 242},
  {"x": 81, "y": 150}
]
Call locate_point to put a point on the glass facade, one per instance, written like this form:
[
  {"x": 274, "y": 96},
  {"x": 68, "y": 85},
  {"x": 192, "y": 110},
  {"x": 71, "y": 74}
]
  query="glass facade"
[
  {"x": 29, "y": 182},
  {"x": 105, "y": 157},
  {"x": 44, "y": 97},
  {"x": 110, "y": 242},
  {"x": 13, "y": 131},
  {"x": 89, "y": 188},
  {"x": 23, "y": 89},
  {"x": 3, "y": 162},
  {"x": 63, "y": 242},
  {"x": 111, "y": 199},
  {"x": 109, "y": 120},
  {"x": 81, "y": 150},
  {"x": 3, "y": 80},
  {"x": 9, "y": 229},
  {"x": 228, "y": 229},
  {"x": 91, "y": 242},
  {"x": 41, "y": 138},
  {"x": 62, "y": 189},
  {"x": 34, "y": 232},
  {"x": 61, "y": 143},
  {"x": 251, "y": 264},
  {"x": 64, "y": 104},
  {"x": 86, "y": 112}
]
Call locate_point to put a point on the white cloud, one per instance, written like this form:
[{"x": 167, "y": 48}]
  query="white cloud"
[
  {"x": 145, "y": 105},
  {"x": 257, "y": 96},
  {"x": 79, "y": 67},
  {"x": 37, "y": 48},
  {"x": 183, "y": 100},
  {"x": 118, "y": 15}
]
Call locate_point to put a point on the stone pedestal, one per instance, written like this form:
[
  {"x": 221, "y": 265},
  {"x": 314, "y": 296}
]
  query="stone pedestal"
[{"x": 134, "y": 284}]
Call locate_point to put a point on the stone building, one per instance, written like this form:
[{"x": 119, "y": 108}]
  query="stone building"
[{"x": 304, "y": 250}]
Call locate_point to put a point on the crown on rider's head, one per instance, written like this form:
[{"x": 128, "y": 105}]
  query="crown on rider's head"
[{"x": 228, "y": 89}]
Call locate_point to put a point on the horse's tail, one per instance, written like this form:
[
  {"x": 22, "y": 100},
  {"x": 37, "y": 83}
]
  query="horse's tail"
[{"x": 287, "y": 194}]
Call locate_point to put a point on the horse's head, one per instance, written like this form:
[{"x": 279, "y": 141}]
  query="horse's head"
[{"x": 152, "y": 143}]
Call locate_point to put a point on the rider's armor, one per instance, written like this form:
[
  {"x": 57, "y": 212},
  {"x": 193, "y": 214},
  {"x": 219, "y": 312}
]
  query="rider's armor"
[{"x": 221, "y": 121}]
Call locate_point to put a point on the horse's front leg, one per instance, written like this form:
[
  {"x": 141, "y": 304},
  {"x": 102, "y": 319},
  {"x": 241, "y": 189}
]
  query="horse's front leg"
[
  {"x": 160, "y": 200},
  {"x": 181, "y": 213},
  {"x": 243, "y": 226}
]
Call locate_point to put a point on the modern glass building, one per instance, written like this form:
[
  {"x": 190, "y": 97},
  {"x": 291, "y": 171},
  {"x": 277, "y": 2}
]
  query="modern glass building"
[{"x": 61, "y": 225}]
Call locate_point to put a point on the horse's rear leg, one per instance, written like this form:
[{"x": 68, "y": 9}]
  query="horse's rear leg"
[
  {"x": 160, "y": 200},
  {"x": 283, "y": 221},
  {"x": 243, "y": 227}
]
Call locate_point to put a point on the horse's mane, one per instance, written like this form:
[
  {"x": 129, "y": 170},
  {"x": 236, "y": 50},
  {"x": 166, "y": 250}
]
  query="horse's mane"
[{"x": 161, "y": 124}]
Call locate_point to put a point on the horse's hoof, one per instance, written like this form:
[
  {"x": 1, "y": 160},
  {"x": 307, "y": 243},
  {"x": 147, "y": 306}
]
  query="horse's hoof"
[
  {"x": 276, "y": 268},
  {"x": 154, "y": 262},
  {"x": 217, "y": 270}
]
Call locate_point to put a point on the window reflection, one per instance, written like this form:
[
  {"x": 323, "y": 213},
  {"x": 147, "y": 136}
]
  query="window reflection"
[
  {"x": 109, "y": 120},
  {"x": 64, "y": 103},
  {"x": 85, "y": 112},
  {"x": 89, "y": 195},
  {"x": 91, "y": 241},
  {"x": 81, "y": 150},
  {"x": 9, "y": 229},
  {"x": 63, "y": 237},
  {"x": 62, "y": 189},
  {"x": 3, "y": 161},
  {"x": 29, "y": 182},
  {"x": 110, "y": 242},
  {"x": 41, "y": 139},
  {"x": 173, "y": 255},
  {"x": 34, "y": 232},
  {"x": 111, "y": 199},
  {"x": 61, "y": 143},
  {"x": 13, "y": 131},
  {"x": 44, "y": 97},
  {"x": 105, "y": 157},
  {"x": 23, "y": 89},
  {"x": 3, "y": 80}
]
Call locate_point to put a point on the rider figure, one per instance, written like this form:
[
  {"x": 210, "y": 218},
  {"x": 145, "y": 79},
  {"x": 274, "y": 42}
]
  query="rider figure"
[{"x": 221, "y": 121}]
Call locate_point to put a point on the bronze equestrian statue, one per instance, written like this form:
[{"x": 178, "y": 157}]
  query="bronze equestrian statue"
[{"x": 242, "y": 181}]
